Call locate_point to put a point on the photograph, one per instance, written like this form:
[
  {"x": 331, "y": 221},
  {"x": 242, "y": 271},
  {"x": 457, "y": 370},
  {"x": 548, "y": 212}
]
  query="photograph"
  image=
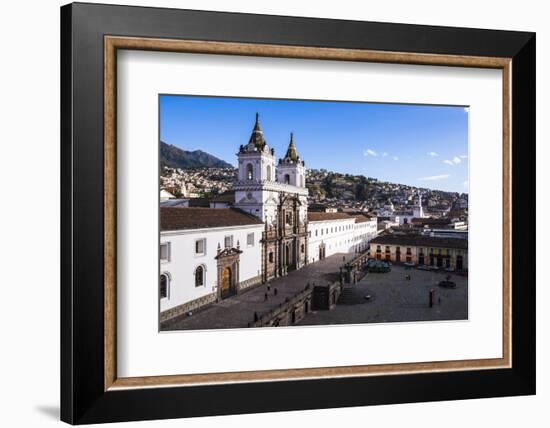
[
  {"x": 284, "y": 212},
  {"x": 265, "y": 211}
]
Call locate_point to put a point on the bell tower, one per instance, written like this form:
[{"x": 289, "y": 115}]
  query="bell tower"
[
  {"x": 291, "y": 169},
  {"x": 418, "y": 211},
  {"x": 256, "y": 171},
  {"x": 256, "y": 159}
]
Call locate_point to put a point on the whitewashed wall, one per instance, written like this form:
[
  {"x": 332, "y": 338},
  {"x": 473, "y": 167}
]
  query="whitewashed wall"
[
  {"x": 335, "y": 240},
  {"x": 363, "y": 233},
  {"x": 352, "y": 236},
  {"x": 183, "y": 260}
]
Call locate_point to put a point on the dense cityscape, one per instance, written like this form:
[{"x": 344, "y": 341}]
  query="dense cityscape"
[{"x": 328, "y": 189}]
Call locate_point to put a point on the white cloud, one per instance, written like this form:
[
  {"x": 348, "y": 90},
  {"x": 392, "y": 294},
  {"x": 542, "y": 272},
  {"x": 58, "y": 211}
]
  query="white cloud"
[
  {"x": 454, "y": 161},
  {"x": 433, "y": 154},
  {"x": 369, "y": 152},
  {"x": 395, "y": 158},
  {"x": 434, "y": 177},
  {"x": 384, "y": 154},
  {"x": 466, "y": 184},
  {"x": 463, "y": 157},
  {"x": 466, "y": 109}
]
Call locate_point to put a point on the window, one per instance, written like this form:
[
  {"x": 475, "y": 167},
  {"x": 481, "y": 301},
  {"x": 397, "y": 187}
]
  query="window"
[
  {"x": 408, "y": 251},
  {"x": 164, "y": 284},
  {"x": 271, "y": 257},
  {"x": 199, "y": 276},
  {"x": 289, "y": 219},
  {"x": 228, "y": 241},
  {"x": 165, "y": 252},
  {"x": 249, "y": 172},
  {"x": 378, "y": 249},
  {"x": 287, "y": 179},
  {"x": 250, "y": 240},
  {"x": 200, "y": 246},
  {"x": 303, "y": 249},
  {"x": 268, "y": 173},
  {"x": 387, "y": 249},
  {"x": 316, "y": 232}
]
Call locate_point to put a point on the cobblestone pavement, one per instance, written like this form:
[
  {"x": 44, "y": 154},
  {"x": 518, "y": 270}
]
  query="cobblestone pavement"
[
  {"x": 395, "y": 299},
  {"x": 238, "y": 311}
]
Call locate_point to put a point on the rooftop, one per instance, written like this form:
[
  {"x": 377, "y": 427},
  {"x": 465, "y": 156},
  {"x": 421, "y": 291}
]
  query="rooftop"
[
  {"x": 197, "y": 218},
  {"x": 421, "y": 240},
  {"x": 361, "y": 218},
  {"x": 228, "y": 196},
  {"x": 324, "y": 216}
]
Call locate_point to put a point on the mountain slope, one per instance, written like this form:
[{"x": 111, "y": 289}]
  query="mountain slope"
[{"x": 175, "y": 157}]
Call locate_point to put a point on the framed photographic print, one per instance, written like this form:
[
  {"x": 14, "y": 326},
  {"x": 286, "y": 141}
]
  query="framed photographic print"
[{"x": 266, "y": 213}]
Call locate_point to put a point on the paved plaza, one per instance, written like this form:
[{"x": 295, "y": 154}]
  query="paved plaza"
[
  {"x": 376, "y": 298},
  {"x": 393, "y": 298},
  {"x": 238, "y": 311}
]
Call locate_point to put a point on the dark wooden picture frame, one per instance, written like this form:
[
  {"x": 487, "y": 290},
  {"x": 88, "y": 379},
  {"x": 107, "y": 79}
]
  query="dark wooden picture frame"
[{"x": 90, "y": 389}]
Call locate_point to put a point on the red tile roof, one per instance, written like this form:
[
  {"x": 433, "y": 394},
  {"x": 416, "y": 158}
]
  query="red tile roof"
[
  {"x": 361, "y": 218},
  {"x": 322, "y": 216},
  {"x": 197, "y": 218},
  {"x": 421, "y": 241}
]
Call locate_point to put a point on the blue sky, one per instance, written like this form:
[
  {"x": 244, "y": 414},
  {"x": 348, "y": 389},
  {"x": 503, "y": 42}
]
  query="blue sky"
[{"x": 419, "y": 145}]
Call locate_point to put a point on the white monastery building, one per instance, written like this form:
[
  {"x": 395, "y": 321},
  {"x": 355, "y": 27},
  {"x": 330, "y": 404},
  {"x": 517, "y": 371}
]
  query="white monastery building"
[{"x": 209, "y": 254}]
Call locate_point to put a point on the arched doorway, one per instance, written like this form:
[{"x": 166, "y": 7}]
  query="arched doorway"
[
  {"x": 226, "y": 282},
  {"x": 164, "y": 286}
]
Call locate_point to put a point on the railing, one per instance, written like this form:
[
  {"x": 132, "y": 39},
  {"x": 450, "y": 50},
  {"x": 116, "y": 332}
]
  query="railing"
[{"x": 268, "y": 318}]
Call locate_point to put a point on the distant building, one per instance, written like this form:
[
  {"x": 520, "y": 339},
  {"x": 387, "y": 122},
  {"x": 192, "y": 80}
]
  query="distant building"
[
  {"x": 441, "y": 223},
  {"x": 417, "y": 212},
  {"x": 436, "y": 251}
]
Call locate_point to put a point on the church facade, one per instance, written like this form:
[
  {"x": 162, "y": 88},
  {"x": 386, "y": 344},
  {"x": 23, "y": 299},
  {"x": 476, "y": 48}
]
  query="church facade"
[{"x": 209, "y": 254}]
